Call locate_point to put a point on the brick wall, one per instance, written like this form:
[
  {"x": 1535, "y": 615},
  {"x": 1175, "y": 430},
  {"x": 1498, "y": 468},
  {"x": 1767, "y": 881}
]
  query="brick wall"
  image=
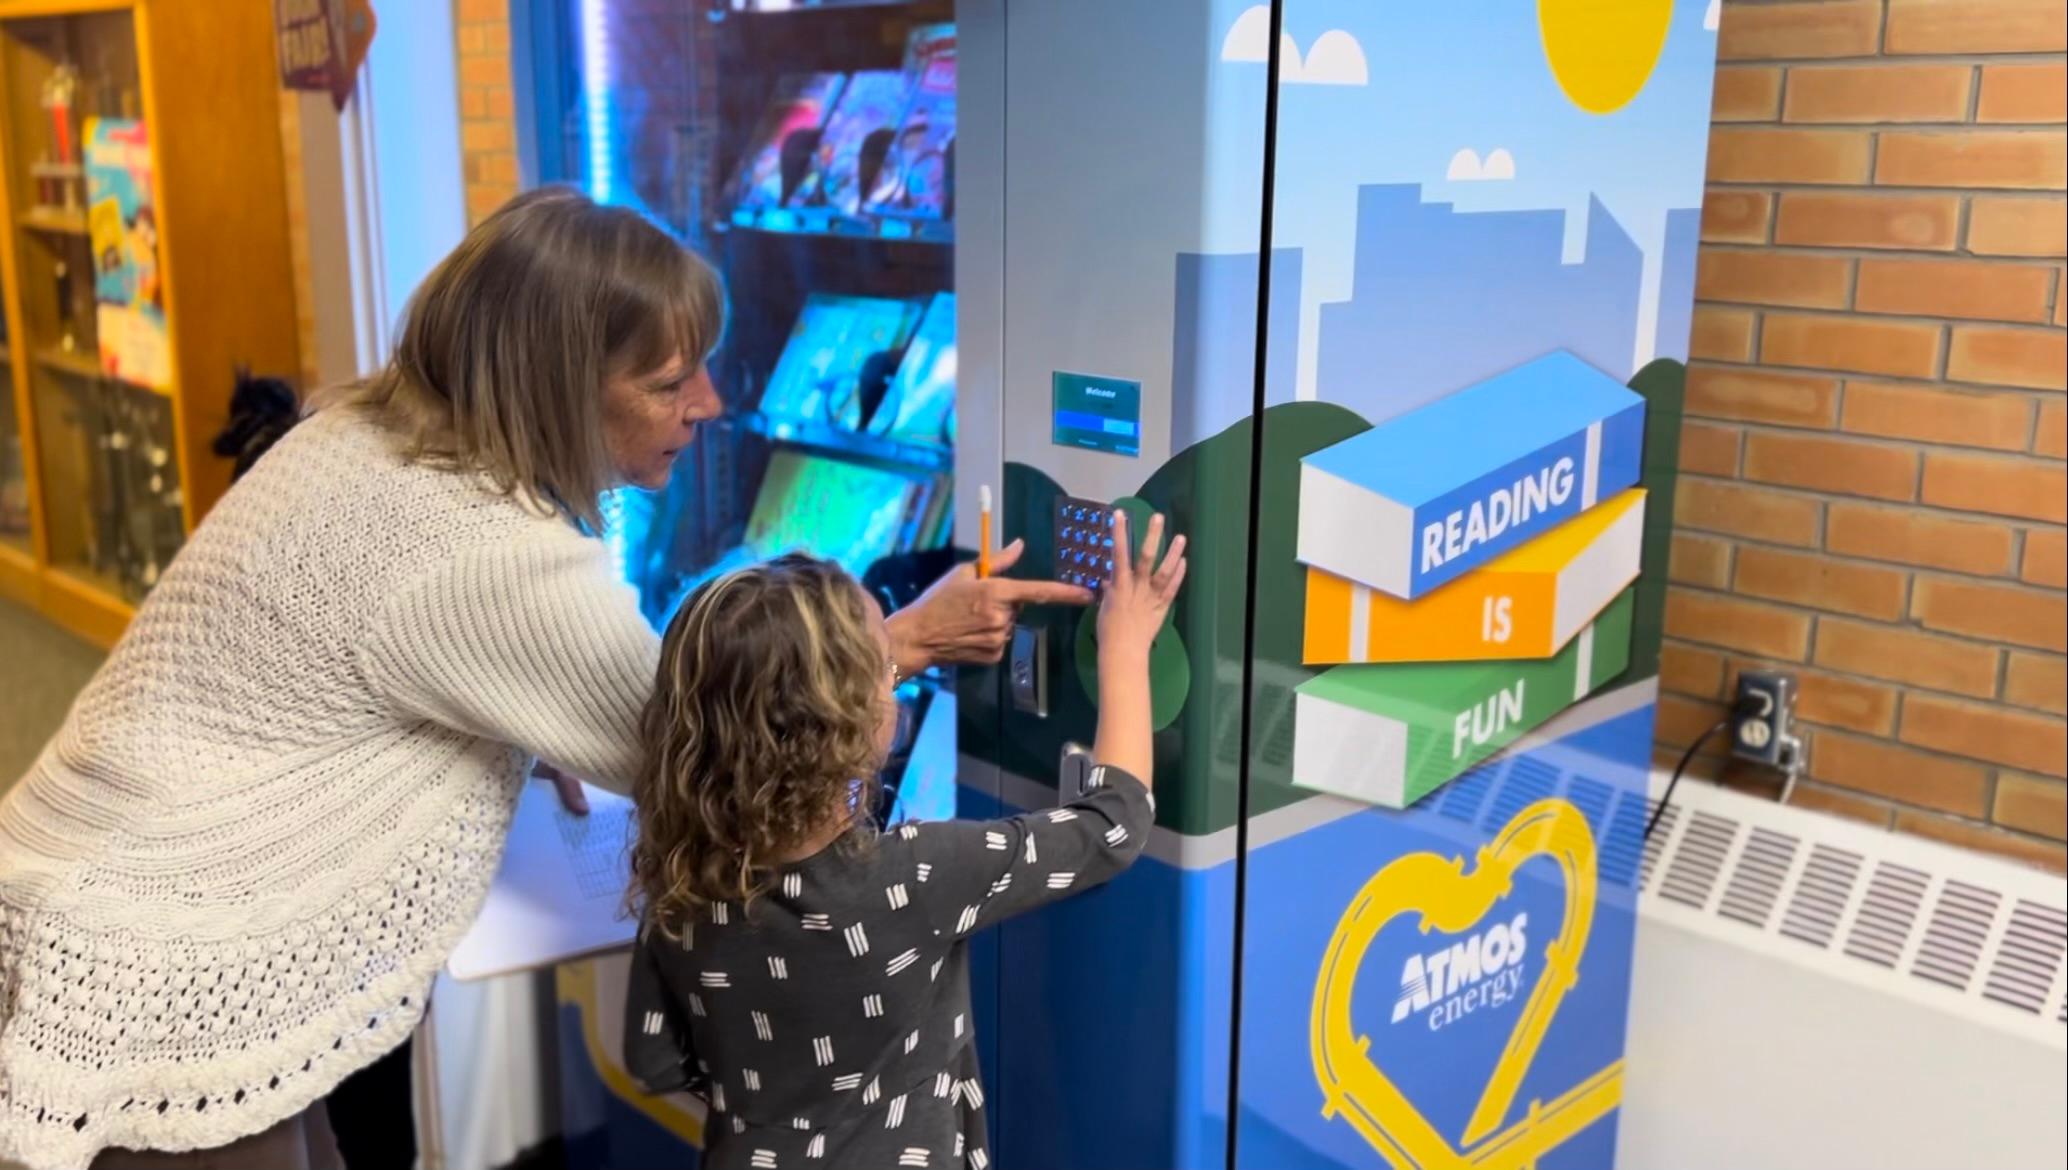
[
  {"x": 1873, "y": 491},
  {"x": 488, "y": 106}
]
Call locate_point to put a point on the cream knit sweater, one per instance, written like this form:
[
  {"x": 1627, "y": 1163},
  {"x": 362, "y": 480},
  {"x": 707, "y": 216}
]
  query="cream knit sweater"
[{"x": 228, "y": 881}]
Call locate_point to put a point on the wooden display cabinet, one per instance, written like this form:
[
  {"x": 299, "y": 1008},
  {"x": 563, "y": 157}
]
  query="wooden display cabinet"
[{"x": 145, "y": 259}]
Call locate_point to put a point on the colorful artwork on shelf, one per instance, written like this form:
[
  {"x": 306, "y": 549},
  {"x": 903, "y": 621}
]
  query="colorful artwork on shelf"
[{"x": 122, "y": 223}]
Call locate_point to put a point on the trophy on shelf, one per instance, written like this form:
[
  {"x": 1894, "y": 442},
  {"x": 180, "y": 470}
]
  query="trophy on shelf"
[{"x": 60, "y": 180}]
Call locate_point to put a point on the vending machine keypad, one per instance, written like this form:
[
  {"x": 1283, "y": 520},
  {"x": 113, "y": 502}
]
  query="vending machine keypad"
[{"x": 1084, "y": 542}]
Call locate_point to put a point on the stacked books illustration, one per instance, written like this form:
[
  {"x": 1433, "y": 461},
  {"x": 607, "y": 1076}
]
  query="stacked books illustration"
[{"x": 1469, "y": 566}]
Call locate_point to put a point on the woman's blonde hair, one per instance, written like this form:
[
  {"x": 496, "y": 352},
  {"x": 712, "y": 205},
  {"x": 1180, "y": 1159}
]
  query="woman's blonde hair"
[
  {"x": 507, "y": 344},
  {"x": 761, "y": 732}
]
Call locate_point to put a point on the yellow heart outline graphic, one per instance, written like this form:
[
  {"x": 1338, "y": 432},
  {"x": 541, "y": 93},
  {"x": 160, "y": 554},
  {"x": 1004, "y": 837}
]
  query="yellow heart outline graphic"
[{"x": 1452, "y": 900}]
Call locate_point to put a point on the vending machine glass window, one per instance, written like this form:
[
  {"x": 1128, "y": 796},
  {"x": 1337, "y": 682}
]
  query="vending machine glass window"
[{"x": 806, "y": 149}]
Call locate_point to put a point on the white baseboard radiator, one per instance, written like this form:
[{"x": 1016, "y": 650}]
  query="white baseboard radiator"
[{"x": 1814, "y": 992}]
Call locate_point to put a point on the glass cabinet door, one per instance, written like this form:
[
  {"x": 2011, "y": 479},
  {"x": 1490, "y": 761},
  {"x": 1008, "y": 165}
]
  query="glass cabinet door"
[{"x": 79, "y": 183}]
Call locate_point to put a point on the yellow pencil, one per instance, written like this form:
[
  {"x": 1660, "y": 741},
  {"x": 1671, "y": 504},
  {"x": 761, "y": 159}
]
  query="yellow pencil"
[{"x": 984, "y": 531}]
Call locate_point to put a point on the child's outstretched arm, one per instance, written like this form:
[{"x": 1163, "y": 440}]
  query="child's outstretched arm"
[
  {"x": 971, "y": 874},
  {"x": 1130, "y": 616}
]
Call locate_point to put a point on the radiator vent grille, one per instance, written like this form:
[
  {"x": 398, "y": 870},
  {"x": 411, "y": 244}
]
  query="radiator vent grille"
[{"x": 1961, "y": 930}]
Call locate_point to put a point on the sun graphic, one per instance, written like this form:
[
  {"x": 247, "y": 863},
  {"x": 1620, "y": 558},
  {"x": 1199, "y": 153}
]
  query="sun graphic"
[{"x": 1603, "y": 51}]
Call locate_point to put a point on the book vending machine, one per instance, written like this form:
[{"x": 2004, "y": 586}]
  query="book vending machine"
[{"x": 1387, "y": 308}]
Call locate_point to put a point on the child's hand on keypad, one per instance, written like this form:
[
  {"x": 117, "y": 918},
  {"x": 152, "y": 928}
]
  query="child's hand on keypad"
[{"x": 1140, "y": 592}]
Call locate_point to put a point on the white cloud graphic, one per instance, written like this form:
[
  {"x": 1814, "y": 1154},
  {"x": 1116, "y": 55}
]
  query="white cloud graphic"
[
  {"x": 1249, "y": 38},
  {"x": 1467, "y": 167},
  {"x": 1714, "y": 16},
  {"x": 1334, "y": 59}
]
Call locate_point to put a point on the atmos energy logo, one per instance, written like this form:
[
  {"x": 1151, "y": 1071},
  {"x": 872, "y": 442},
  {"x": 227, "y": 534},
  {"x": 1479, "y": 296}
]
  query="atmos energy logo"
[
  {"x": 1489, "y": 967},
  {"x": 1485, "y": 970}
]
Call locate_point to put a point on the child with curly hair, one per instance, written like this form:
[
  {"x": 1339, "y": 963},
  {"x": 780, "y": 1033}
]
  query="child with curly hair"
[{"x": 808, "y": 977}]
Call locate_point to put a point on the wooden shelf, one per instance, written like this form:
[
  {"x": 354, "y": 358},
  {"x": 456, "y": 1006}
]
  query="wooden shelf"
[
  {"x": 83, "y": 602},
  {"x": 76, "y": 365},
  {"x": 87, "y": 368},
  {"x": 20, "y": 580},
  {"x": 51, "y": 221}
]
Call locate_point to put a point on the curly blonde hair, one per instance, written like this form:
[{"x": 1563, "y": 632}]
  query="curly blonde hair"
[{"x": 762, "y": 731}]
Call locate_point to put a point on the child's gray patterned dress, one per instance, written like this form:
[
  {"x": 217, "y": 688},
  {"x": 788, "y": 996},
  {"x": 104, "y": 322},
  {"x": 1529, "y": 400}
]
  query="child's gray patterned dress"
[{"x": 831, "y": 1026}]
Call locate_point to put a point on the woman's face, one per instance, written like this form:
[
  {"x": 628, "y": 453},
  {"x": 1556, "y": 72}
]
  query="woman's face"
[{"x": 648, "y": 419}]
